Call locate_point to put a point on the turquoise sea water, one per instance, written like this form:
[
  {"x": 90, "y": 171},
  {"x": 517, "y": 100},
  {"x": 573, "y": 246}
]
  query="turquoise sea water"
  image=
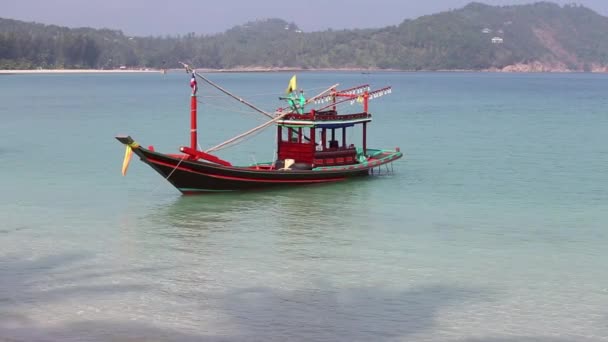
[{"x": 492, "y": 228}]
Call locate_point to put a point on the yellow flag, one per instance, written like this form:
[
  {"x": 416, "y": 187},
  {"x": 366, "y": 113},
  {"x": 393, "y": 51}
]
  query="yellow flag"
[
  {"x": 292, "y": 85},
  {"x": 125, "y": 163}
]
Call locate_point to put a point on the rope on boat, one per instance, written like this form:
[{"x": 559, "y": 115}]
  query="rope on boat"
[
  {"x": 170, "y": 173},
  {"x": 273, "y": 117},
  {"x": 211, "y": 83},
  {"x": 229, "y": 142},
  {"x": 176, "y": 166},
  {"x": 228, "y": 109},
  {"x": 251, "y": 131},
  {"x": 256, "y": 95},
  {"x": 242, "y": 140}
]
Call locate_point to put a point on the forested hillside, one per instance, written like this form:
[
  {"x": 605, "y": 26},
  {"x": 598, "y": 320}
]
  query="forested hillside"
[{"x": 542, "y": 36}]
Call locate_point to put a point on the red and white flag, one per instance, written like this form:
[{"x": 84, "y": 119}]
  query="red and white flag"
[{"x": 193, "y": 84}]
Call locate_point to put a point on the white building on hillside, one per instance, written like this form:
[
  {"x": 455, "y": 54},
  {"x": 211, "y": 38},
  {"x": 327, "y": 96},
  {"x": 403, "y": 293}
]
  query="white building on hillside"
[{"x": 497, "y": 40}]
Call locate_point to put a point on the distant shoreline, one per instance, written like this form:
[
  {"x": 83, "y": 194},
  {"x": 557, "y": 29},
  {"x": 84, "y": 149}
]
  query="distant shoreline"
[
  {"x": 75, "y": 71},
  {"x": 265, "y": 69},
  {"x": 205, "y": 70}
]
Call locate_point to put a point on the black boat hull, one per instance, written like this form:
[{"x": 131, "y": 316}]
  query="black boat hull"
[{"x": 192, "y": 177}]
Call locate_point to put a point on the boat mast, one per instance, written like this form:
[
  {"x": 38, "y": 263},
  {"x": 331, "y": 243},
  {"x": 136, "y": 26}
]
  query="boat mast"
[{"x": 193, "y": 114}]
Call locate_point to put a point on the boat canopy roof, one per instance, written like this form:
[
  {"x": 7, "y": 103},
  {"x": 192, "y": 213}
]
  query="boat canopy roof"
[{"x": 328, "y": 119}]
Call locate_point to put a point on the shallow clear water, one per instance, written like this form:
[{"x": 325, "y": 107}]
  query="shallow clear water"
[{"x": 492, "y": 228}]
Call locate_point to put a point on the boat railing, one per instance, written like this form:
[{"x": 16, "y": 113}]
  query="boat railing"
[
  {"x": 326, "y": 116},
  {"x": 299, "y": 117},
  {"x": 342, "y": 117},
  {"x": 326, "y": 112}
]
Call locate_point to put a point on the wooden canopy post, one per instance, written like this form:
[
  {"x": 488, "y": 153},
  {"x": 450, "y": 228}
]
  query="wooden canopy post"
[
  {"x": 292, "y": 134},
  {"x": 313, "y": 129},
  {"x": 333, "y": 98},
  {"x": 323, "y": 138},
  {"x": 344, "y": 137},
  {"x": 365, "y": 138}
]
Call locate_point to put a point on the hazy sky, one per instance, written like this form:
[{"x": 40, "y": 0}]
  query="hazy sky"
[{"x": 157, "y": 17}]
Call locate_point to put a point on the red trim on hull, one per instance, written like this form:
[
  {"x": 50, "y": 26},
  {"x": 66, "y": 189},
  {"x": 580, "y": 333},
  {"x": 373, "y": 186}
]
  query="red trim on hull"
[{"x": 256, "y": 180}]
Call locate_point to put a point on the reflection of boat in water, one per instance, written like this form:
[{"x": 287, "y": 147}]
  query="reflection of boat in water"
[
  {"x": 312, "y": 147},
  {"x": 282, "y": 210}
]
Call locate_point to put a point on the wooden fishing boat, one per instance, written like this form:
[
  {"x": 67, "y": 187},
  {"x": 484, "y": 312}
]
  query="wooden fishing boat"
[{"x": 312, "y": 147}]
